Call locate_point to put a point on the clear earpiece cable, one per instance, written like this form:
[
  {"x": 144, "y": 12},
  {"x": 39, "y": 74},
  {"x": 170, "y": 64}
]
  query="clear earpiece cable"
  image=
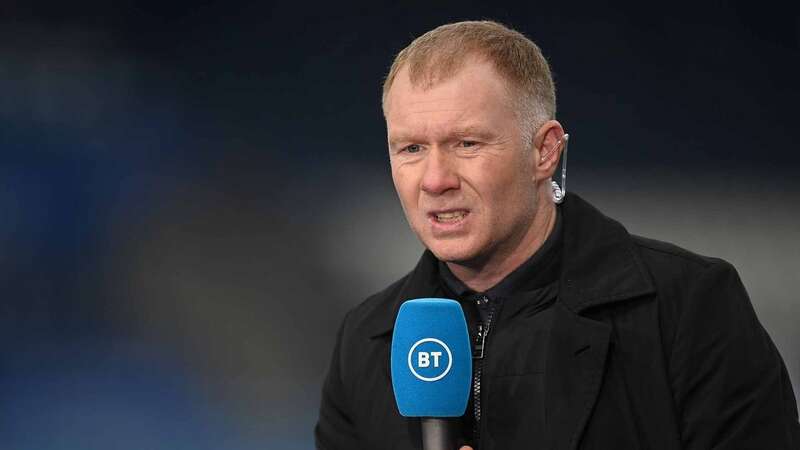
[
  {"x": 559, "y": 192},
  {"x": 564, "y": 166}
]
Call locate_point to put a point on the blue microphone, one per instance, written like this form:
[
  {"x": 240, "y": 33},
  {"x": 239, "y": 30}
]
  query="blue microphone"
[{"x": 432, "y": 366}]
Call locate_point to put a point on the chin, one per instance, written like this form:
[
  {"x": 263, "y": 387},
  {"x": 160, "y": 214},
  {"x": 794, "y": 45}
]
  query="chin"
[{"x": 451, "y": 252}]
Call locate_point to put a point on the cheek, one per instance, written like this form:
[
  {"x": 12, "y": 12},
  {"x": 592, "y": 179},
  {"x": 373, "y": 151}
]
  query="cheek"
[
  {"x": 506, "y": 196},
  {"x": 406, "y": 189}
]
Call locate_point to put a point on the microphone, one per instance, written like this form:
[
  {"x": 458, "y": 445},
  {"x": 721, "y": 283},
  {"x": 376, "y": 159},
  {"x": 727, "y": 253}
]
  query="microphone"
[{"x": 432, "y": 367}]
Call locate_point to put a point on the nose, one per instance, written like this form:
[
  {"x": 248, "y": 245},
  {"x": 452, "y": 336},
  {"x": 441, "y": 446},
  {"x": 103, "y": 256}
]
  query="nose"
[{"x": 440, "y": 173}]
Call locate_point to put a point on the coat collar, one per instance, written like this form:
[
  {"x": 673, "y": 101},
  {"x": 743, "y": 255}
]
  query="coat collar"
[{"x": 599, "y": 266}]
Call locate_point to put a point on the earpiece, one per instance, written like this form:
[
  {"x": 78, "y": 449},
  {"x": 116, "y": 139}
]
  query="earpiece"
[{"x": 559, "y": 192}]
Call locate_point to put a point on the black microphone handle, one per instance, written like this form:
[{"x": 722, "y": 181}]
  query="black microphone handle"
[{"x": 437, "y": 434}]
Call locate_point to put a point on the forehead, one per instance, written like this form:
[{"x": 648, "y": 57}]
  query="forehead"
[{"x": 476, "y": 92}]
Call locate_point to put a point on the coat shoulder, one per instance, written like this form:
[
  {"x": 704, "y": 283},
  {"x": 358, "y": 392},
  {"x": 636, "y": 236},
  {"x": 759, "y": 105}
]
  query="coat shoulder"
[
  {"x": 659, "y": 254},
  {"x": 676, "y": 271},
  {"x": 671, "y": 266}
]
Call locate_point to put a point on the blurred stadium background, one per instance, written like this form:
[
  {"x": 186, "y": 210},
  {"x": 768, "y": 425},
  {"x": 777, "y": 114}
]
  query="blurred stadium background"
[{"x": 193, "y": 193}]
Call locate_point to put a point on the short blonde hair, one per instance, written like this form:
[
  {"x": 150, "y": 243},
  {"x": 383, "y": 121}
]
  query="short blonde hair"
[{"x": 441, "y": 52}]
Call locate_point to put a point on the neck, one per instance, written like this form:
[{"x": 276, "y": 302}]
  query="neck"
[{"x": 482, "y": 276}]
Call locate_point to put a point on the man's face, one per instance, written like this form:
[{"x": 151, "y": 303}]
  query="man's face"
[{"x": 461, "y": 169}]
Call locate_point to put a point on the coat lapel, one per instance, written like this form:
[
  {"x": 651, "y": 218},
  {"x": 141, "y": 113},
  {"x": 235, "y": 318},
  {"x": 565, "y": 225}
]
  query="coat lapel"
[
  {"x": 600, "y": 266},
  {"x": 576, "y": 359}
]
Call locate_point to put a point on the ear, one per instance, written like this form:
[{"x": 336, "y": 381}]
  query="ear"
[{"x": 548, "y": 143}]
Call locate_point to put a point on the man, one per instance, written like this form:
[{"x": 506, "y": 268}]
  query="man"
[{"x": 593, "y": 338}]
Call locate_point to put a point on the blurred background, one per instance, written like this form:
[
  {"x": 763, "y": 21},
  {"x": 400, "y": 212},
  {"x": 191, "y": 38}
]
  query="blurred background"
[{"x": 192, "y": 194}]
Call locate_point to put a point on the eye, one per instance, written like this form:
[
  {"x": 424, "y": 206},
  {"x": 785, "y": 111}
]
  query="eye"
[
  {"x": 468, "y": 144},
  {"x": 413, "y": 148}
]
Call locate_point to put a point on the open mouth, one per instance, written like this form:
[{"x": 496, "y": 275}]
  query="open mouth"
[{"x": 449, "y": 216}]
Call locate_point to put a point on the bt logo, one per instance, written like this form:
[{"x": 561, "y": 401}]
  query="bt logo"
[{"x": 430, "y": 359}]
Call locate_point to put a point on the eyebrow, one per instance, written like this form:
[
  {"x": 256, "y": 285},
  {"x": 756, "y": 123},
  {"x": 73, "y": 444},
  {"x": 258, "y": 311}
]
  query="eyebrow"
[
  {"x": 458, "y": 132},
  {"x": 472, "y": 130}
]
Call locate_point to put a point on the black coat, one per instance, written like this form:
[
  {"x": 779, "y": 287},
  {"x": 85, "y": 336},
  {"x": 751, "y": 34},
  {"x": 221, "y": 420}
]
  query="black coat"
[{"x": 649, "y": 347}]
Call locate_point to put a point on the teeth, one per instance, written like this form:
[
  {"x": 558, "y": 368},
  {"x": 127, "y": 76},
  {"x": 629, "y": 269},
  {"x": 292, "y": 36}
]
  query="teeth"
[{"x": 450, "y": 216}]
